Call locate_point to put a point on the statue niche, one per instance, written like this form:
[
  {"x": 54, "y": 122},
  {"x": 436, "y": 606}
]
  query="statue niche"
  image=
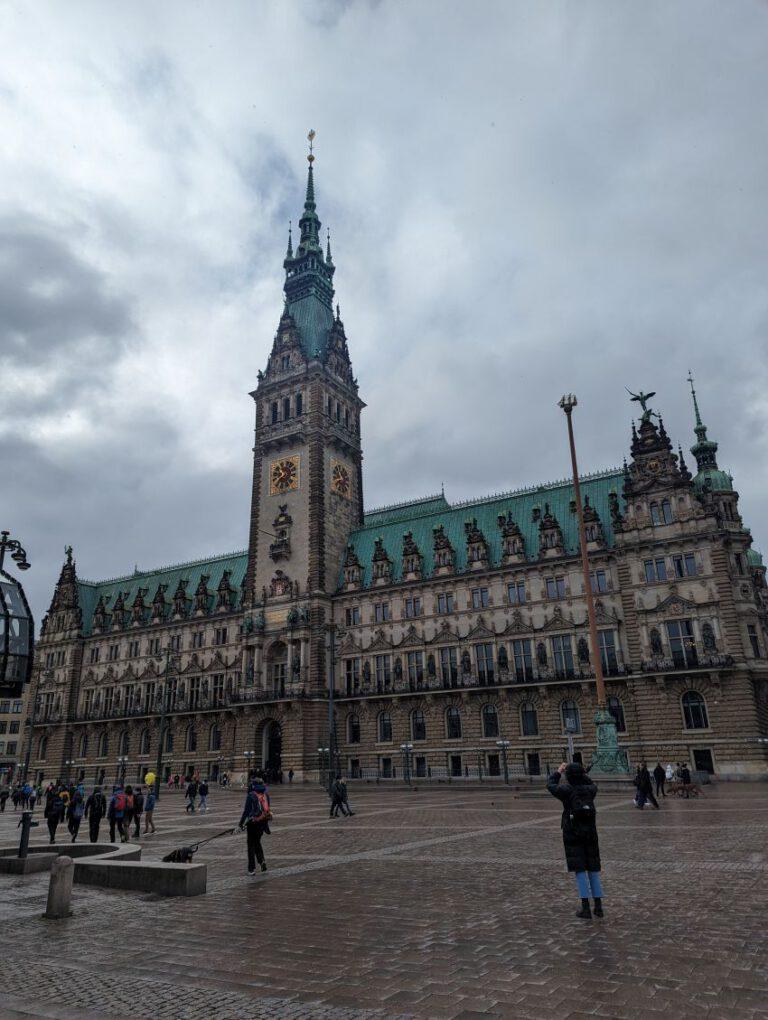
[{"x": 280, "y": 549}]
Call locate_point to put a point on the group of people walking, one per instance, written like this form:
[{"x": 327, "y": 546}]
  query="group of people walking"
[
  {"x": 125, "y": 807},
  {"x": 23, "y": 795}
]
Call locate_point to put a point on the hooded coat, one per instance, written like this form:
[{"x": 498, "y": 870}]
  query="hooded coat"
[{"x": 582, "y": 850}]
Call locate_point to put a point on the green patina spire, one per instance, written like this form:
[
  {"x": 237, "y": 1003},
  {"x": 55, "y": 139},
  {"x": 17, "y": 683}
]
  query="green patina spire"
[
  {"x": 289, "y": 252},
  {"x": 328, "y": 258},
  {"x": 705, "y": 452},
  {"x": 309, "y": 275}
]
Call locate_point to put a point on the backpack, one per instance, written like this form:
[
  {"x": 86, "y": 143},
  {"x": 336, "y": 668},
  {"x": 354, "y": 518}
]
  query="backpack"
[
  {"x": 263, "y": 802},
  {"x": 119, "y": 803},
  {"x": 581, "y": 810},
  {"x": 129, "y": 801}
]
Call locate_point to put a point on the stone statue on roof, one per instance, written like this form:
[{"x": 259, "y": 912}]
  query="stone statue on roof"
[{"x": 642, "y": 399}]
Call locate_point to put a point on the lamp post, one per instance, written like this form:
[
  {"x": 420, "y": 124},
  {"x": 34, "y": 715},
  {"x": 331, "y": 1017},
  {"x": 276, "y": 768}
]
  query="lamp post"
[
  {"x": 503, "y": 746},
  {"x": 249, "y": 756},
  {"x": 321, "y": 753},
  {"x": 164, "y": 696},
  {"x": 331, "y": 692},
  {"x": 607, "y": 757},
  {"x": 70, "y": 764},
  {"x": 122, "y": 764},
  {"x": 407, "y": 749}
]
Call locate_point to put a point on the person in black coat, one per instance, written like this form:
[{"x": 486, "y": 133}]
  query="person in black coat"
[
  {"x": 659, "y": 778},
  {"x": 644, "y": 784},
  {"x": 582, "y": 849}
]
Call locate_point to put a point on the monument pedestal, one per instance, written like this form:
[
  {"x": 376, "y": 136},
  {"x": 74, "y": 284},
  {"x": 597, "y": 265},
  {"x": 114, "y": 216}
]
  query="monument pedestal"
[{"x": 608, "y": 760}]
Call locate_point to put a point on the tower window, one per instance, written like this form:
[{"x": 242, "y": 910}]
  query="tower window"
[
  {"x": 338, "y": 411},
  {"x": 299, "y": 404},
  {"x": 286, "y": 408},
  {"x": 273, "y": 412},
  {"x": 285, "y": 361},
  {"x": 346, "y": 418}
]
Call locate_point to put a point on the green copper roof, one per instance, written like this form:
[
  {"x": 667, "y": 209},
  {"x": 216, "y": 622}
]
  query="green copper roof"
[
  {"x": 91, "y": 591},
  {"x": 421, "y": 516},
  {"x": 715, "y": 479},
  {"x": 754, "y": 558}
]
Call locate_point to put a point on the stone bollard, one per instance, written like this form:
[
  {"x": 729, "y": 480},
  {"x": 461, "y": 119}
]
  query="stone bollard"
[{"x": 60, "y": 888}]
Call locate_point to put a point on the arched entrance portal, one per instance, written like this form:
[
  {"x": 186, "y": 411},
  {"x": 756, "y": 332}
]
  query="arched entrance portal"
[{"x": 272, "y": 750}]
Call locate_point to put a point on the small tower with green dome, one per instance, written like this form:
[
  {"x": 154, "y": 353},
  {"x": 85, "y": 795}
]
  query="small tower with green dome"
[{"x": 709, "y": 476}]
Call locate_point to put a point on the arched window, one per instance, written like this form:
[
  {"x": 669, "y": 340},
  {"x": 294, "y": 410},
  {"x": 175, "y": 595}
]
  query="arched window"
[
  {"x": 569, "y": 711},
  {"x": 214, "y": 738},
  {"x": 144, "y": 742},
  {"x": 490, "y": 721},
  {"x": 616, "y": 709},
  {"x": 169, "y": 739},
  {"x": 655, "y": 514},
  {"x": 418, "y": 725},
  {"x": 42, "y": 747},
  {"x": 123, "y": 744},
  {"x": 385, "y": 728},
  {"x": 529, "y": 720},
  {"x": 103, "y": 748},
  {"x": 666, "y": 511},
  {"x": 452, "y": 723},
  {"x": 190, "y": 742},
  {"x": 83, "y": 746},
  {"x": 695, "y": 711},
  {"x": 353, "y": 729}
]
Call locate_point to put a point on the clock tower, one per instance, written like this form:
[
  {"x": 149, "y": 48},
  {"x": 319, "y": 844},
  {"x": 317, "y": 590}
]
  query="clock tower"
[{"x": 307, "y": 479}]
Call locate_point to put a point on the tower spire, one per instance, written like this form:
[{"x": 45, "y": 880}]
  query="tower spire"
[
  {"x": 704, "y": 450},
  {"x": 289, "y": 252}
]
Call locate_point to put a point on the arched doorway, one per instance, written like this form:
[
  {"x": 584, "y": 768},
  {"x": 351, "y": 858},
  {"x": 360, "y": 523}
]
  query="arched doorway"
[
  {"x": 272, "y": 749},
  {"x": 277, "y": 668}
]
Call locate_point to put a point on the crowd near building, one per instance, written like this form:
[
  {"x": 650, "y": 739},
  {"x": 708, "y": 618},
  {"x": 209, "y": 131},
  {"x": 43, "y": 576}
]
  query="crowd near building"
[{"x": 454, "y": 634}]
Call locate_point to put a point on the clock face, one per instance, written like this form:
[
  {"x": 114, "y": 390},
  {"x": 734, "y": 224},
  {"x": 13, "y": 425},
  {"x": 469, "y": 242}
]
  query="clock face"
[
  {"x": 654, "y": 466},
  {"x": 341, "y": 482},
  {"x": 283, "y": 475}
]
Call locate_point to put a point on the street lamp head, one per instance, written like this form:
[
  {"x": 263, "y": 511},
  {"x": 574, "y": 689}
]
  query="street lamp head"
[{"x": 568, "y": 401}]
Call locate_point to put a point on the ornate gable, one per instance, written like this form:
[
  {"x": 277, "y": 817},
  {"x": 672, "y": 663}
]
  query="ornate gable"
[
  {"x": 412, "y": 638},
  {"x": 380, "y": 643},
  {"x": 558, "y": 620},
  {"x": 480, "y": 632}
]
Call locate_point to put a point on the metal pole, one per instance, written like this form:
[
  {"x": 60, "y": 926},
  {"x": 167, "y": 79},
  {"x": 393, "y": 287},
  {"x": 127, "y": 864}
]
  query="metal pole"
[
  {"x": 331, "y": 691},
  {"x": 567, "y": 404},
  {"x": 163, "y": 703}
]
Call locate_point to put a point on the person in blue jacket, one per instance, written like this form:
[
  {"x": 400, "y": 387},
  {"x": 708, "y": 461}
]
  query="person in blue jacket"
[{"x": 255, "y": 820}]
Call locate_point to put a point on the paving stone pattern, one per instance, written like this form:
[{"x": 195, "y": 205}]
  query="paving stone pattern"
[{"x": 440, "y": 903}]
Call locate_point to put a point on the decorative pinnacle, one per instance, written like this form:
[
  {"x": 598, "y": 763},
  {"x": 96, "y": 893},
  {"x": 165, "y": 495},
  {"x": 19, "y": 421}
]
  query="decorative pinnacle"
[
  {"x": 695, "y": 401},
  {"x": 289, "y": 253},
  {"x": 311, "y": 139},
  {"x": 328, "y": 248}
]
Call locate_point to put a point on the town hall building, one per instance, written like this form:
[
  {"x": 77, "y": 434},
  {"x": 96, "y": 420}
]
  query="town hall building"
[{"x": 453, "y": 636}]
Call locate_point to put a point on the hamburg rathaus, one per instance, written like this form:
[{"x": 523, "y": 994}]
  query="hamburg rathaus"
[{"x": 455, "y": 633}]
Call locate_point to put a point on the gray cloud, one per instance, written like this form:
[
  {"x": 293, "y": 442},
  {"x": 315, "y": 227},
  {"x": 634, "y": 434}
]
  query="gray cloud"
[{"x": 545, "y": 198}]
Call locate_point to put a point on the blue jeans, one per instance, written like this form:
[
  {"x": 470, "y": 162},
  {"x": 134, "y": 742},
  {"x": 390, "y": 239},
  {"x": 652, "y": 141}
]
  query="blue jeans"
[{"x": 585, "y": 880}]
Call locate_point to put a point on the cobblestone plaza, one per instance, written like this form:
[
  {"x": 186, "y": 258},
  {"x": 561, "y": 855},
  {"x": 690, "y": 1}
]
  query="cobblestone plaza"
[{"x": 444, "y": 902}]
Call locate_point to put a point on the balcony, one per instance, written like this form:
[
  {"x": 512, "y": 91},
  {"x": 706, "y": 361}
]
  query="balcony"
[
  {"x": 686, "y": 663},
  {"x": 191, "y": 703}
]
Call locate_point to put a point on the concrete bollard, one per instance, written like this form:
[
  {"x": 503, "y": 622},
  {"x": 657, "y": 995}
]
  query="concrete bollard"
[{"x": 60, "y": 888}]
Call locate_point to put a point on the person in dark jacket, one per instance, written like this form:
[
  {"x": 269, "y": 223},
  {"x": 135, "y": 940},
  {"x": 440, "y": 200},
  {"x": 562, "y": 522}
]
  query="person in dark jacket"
[
  {"x": 75, "y": 814},
  {"x": 578, "y": 823},
  {"x": 644, "y": 784},
  {"x": 54, "y": 811},
  {"x": 255, "y": 821},
  {"x": 191, "y": 795},
  {"x": 685, "y": 779},
  {"x": 138, "y": 810},
  {"x": 95, "y": 809},
  {"x": 337, "y": 799},
  {"x": 4, "y": 793},
  {"x": 659, "y": 778}
]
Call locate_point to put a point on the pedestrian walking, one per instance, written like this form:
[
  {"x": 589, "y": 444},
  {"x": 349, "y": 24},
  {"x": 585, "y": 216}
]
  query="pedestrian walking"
[
  {"x": 75, "y": 813},
  {"x": 579, "y": 827},
  {"x": 660, "y": 778},
  {"x": 95, "y": 809},
  {"x": 685, "y": 779},
  {"x": 345, "y": 796},
  {"x": 203, "y": 791},
  {"x": 190, "y": 795},
  {"x": 645, "y": 786},
  {"x": 4, "y": 795},
  {"x": 255, "y": 820},
  {"x": 116, "y": 814},
  {"x": 54, "y": 812},
  {"x": 138, "y": 811},
  {"x": 669, "y": 772},
  {"x": 149, "y": 810},
  {"x": 291, "y": 774},
  {"x": 337, "y": 800},
  {"x": 129, "y": 805}
]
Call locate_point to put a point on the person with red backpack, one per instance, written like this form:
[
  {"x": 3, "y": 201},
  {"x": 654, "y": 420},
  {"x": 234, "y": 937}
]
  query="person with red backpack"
[
  {"x": 255, "y": 820},
  {"x": 116, "y": 814}
]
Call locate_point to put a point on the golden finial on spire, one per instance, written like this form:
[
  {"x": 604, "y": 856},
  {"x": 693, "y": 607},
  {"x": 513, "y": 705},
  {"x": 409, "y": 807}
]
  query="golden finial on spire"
[{"x": 311, "y": 139}]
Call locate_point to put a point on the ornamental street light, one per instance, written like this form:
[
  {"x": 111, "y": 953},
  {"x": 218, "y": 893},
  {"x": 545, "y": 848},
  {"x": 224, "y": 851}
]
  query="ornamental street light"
[
  {"x": 331, "y": 644},
  {"x": 122, "y": 764},
  {"x": 249, "y": 756},
  {"x": 607, "y": 756},
  {"x": 503, "y": 745},
  {"x": 16, "y": 623},
  {"x": 69, "y": 764},
  {"x": 321, "y": 753},
  {"x": 164, "y": 696},
  {"x": 407, "y": 749}
]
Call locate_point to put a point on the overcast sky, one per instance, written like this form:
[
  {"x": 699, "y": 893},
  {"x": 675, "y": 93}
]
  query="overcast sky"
[{"x": 524, "y": 198}]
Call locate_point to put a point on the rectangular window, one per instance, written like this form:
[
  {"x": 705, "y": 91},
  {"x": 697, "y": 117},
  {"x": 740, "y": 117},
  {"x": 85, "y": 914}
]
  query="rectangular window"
[
  {"x": 381, "y": 612},
  {"x": 14, "y": 726},
  {"x": 412, "y": 607},
  {"x": 386, "y": 768},
  {"x": 198, "y": 639},
  {"x": 12, "y": 745},
  {"x": 655, "y": 570},
  {"x": 608, "y": 657},
  {"x": 485, "y": 663},
  {"x": 521, "y": 653},
  {"x": 516, "y": 593},
  {"x": 3, "y": 726},
  {"x": 114, "y": 652},
  {"x": 445, "y": 603},
  {"x": 286, "y": 408},
  {"x": 175, "y": 642},
  {"x": 383, "y": 671},
  {"x": 739, "y": 563},
  {"x": 220, "y": 636},
  {"x": 599, "y": 581},
  {"x": 109, "y": 695},
  {"x": 133, "y": 649},
  {"x": 218, "y": 689},
  {"x": 153, "y": 647},
  {"x": 61, "y": 657},
  {"x": 352, "y": 615},
  {"x": 752, "y": 631},
  {"x": 352, "y": 675},
  {"x": 299, "y": 404},
  {"x": 194, "y": 692},
  {"x": 94, "y": 656},
  {"x": 479, "y": 598},
  {"x": 685, "y": 565},
  {"x": 449, "y": 666},
  {"x": 5, "y": 706},
  {"x": 17, "y": 707},
  {"x": 563, "y": 655},
  {"x": 415, "y": 668},
  {"x": 555, "y": 587},
  {"x": 274, "y": 412},
  {"x": 49, "y": 660},
  {"x": 682, "y": 644}
]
